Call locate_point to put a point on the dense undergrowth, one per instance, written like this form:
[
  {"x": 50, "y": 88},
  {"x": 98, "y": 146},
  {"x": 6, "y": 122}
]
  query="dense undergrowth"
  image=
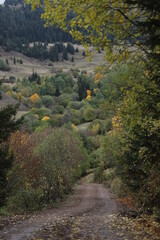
[{"x": 53, "y": 161}]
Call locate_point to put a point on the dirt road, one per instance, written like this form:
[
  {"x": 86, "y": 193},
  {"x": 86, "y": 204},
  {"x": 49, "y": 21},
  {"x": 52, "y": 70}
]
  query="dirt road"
[{"x": 90, "y": 213}]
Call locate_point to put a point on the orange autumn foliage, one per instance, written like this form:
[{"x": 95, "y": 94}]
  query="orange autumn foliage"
[{"x": 34, "y": 97}]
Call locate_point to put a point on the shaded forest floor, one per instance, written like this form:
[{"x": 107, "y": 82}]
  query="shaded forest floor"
[{"x": 90, "y": 213}]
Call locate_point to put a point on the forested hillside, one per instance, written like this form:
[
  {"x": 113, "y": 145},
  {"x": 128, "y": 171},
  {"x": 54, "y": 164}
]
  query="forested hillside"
[{"x": 19, "y": 25}]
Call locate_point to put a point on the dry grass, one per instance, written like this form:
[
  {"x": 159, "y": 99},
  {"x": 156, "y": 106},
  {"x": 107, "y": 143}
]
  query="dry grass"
[
  {"x": 83, "y": 127},
  {"x": 43, "y": 68},
  {"x": 7, "y": 100}
]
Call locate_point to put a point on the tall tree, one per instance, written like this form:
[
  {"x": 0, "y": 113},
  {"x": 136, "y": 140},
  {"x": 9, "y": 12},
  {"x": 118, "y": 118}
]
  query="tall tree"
[{"x": 8, "y": 124}]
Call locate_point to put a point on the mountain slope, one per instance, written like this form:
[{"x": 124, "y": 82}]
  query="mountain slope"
[{"x": 19, "y": 25}]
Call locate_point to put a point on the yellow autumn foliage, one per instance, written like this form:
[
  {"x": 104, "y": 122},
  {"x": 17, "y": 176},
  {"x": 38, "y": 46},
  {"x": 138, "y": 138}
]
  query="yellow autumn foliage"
[
  {"x": 88, "y": 92},
  {"x": 45, "y": 118},
  {"x": 74, "y": 127},
  {"x": 88, "y": 97},
  {"x": 96, "y": 128},
  {"x": 97, "y": 77},
  {"x": 19, "y": 96},
  {"x": 116, "y": 123},
  {"x": 9, "y": 93},
  {"x": 93, "y": 16}
]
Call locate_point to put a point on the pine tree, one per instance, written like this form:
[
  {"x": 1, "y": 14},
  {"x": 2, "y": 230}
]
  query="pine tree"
[
  {"x": 77, "y": 50},
  {"x": 57, "y": 93},
  {"x": 14, "y": 60},
  {"x": 65, "y": 54},
  {"x": 83, "y": 53}
]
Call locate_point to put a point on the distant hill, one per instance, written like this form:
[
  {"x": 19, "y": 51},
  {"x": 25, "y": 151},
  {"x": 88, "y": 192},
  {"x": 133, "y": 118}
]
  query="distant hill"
[{"x": 19, "y": 26}]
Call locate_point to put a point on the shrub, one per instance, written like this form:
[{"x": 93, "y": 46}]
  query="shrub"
[
  {"x": 12, "y": 79},
  {"x": 57, "y": 109},
  {"x": 31, "y": 121},
  {"x": 74, "y": 105},
  {"x": 25, "y": 200},
  {"x": 64, "y": 99},
  {"x": 20, "y": 61},
  {"x": 75, "y": 72},
  {"x": 98, "y": 173},
  {"x": 41, "y": 112},
  {"x": 84, "y": 72},
  {"x": 50, "y": 64},
  {"x": 47, "y": 101},
  {"x": 89, "y": 114},
  {"x": 97, "y": 127},
  {"x": 118, "y": 187},
  {"x": 37, "y": 103},
  {"x": 75, "y": 116},
  {"x": 66, "y": 117},
  {"x": 4, "y": 66},
  {"x": 54, "y": 159}
]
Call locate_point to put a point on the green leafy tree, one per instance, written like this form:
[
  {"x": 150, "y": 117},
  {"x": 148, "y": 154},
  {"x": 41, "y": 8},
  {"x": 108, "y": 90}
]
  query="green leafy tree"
[
  {"x": 89, "y": 114},
  {"x": 113, "y": 25},
  {"x": 65, "y": 156},
  {"x": 47, "y": 101}
]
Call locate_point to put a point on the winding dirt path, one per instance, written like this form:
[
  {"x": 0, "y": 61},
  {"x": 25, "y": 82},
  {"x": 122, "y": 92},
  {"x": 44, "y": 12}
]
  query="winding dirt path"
[
  {"x": 90, "y": 213},
  {"x": 87, "y": 198}
]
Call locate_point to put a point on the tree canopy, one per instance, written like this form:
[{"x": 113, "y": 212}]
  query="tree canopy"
[
  {"x": 17, "y": 32},
  {"x": 116, "y": 25}
]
